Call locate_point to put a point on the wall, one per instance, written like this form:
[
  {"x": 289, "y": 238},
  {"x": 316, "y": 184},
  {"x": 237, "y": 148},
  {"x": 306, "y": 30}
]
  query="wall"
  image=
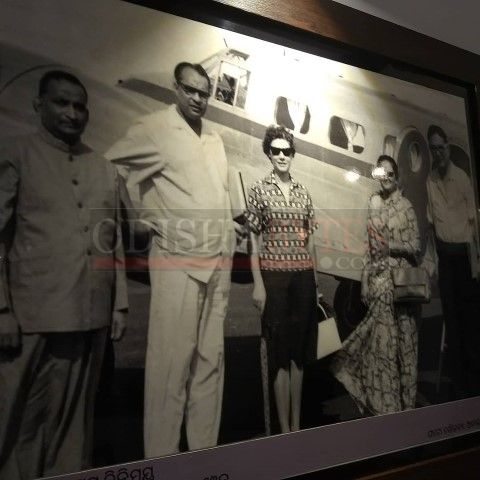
[{"x": 440, "y": 19}]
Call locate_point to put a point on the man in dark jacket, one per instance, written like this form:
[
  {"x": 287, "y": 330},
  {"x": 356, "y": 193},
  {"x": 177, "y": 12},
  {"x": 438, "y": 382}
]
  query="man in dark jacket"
[{"x": 61, "y": 287}]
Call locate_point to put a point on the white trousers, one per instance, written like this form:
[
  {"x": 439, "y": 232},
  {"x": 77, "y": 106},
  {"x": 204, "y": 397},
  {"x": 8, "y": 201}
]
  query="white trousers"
[{"x": 185, "y": 359}]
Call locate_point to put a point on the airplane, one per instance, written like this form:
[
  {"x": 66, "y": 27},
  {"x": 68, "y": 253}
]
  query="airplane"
[
  {"x": 342, "y": 117},
  {"x": 342, "y": 122}
]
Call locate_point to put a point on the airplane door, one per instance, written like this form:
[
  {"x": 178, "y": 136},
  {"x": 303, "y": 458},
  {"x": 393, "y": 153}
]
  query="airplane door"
[{"x": 413, "y": 159}]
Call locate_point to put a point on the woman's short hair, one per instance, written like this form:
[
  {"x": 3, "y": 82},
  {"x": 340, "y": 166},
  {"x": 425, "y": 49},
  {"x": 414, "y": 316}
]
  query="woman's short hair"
[
  {"x": 391, "y": 161},
  {"x": 277, "y": 131}
]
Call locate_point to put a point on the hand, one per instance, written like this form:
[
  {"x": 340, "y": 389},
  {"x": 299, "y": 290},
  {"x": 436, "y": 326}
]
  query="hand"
[
  {"x": 119, "y": 324},
  {"x": 259, "y": 296},
  {"x": 381, "y": 245},
  {"x": 240, "y": 232},
  {"x": 9, "y": 332},
  {"x": 365, "y": 291},
  {"x": 141, "y": 228}
]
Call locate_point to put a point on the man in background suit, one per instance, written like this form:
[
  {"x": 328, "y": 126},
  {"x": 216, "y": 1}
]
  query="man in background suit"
[{"x": 452, "y": 215}]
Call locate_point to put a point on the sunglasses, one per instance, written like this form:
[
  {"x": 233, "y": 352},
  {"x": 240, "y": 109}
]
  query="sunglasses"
[
  {"x": 191, "y": 91},
  {"x": 380, "y": 174},
  {"x": 437, "y": 148},
  {"x": 288, "y": 152}
]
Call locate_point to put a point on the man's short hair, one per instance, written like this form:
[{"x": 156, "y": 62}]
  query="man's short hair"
[
  {"x": 177, "y": 73},
  {"x": 436, "y": 130},
  {"x": 58, "y": 75}
]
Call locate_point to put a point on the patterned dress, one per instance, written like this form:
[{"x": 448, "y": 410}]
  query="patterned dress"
[{"x": 378, "y": 362}]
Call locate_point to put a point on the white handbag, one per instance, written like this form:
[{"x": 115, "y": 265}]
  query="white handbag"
[{"x": 328, "y": 339}]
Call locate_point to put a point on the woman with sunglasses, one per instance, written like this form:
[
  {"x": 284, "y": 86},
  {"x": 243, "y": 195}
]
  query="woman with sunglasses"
[
  {"x": 378, "y": 362},
  {"x": 280, "y": 217}
]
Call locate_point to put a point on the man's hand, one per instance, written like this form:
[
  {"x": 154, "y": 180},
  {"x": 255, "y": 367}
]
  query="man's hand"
[
  {"x": 119, "y": 324},
  {"x": 9, "y": 331},
  {"x": 240, "y": 232}
]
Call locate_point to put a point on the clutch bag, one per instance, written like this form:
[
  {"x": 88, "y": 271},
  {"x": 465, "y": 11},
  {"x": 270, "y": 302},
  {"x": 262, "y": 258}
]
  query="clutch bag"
[{"x": 411, "y": 284}]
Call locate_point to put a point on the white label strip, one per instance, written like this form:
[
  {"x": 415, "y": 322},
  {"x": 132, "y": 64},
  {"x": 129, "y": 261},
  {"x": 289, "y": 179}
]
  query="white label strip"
[{"x": 284, "y": 456}]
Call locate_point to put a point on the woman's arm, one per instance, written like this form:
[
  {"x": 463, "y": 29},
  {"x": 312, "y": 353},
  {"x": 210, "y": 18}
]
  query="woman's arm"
[
  {"x": 311, "y": 227},
  {"x": 254, "y": 216},
  {"x": 365, "y": 292},
  {"x": 377, "y": 232},
  {"x": 259, "y": 294},
  {"x": 374, "y": 241},
  {"x": 313, "y": 255},
  {"x": 408, "y": 242}
]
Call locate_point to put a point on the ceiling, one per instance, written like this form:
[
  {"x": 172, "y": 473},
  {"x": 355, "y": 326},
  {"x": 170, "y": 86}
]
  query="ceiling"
[{"x": 454, "y": 22}]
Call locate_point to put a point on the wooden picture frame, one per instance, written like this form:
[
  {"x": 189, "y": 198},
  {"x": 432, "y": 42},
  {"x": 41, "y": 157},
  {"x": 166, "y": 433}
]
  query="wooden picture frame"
[
  {"x": 358, "y": 30},
  {"x": 353, "y": 38}
]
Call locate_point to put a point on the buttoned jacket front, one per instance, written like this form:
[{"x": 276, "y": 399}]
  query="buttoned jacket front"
[{"x": 63, "y": 270}]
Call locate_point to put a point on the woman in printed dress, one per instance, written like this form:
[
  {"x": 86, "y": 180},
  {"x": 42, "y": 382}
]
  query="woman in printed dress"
[
  {"x": 280, "y": 217},
  {"x": 378, "y": 362}
]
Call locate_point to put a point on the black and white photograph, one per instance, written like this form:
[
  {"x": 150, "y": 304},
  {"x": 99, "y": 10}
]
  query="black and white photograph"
[{"x": 211, "y": 239}]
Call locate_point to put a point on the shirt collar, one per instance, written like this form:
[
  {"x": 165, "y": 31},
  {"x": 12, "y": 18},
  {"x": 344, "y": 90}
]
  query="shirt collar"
[
  {"x": 176, "y": 120},
  {"x": 272, "y": 178},
  {"x": 449, "y": 176},
  {"x": 394, "y": 197},
  {"x": 57, "y": 143}
]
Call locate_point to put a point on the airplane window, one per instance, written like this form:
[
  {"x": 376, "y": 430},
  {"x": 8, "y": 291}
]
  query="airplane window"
[
  {"x": 226, "y": 87},
  {"x": 415, "y": 157},
  {"x": 232, "y": 85},
  {"x": 292, "y": 114},
  {"x": 346, "y": 134},
  {"x": 389, "y": 145},
  {"x": 242, "y": 89}
]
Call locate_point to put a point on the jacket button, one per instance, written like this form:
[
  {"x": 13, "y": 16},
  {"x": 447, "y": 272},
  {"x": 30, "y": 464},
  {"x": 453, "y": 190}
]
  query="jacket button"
[
  {"x": 80, "y": 205},
  {"x": 75, "y": 181},
  {"x": 85, "y": 228}
]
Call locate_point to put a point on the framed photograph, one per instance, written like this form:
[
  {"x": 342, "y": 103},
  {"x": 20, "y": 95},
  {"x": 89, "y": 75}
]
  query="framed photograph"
[{"x": 348, "y": 160}]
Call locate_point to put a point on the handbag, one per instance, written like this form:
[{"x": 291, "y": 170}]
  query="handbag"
[
  {"x": 411, "y": 285},
  {"x": 328, "y": 339}
]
